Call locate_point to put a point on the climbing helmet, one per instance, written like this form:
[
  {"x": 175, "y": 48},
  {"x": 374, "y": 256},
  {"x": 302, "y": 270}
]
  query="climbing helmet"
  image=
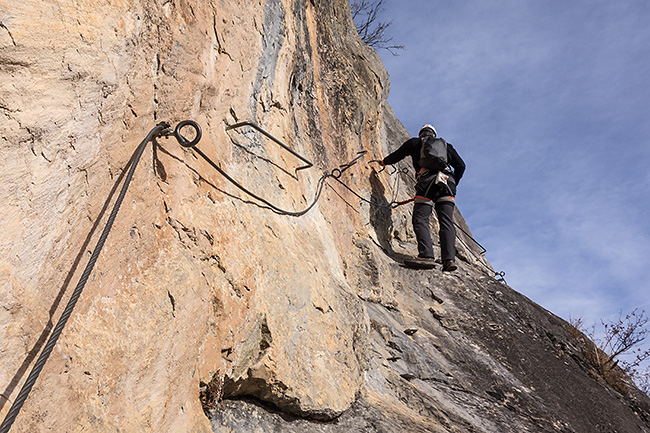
[{"x": 426, "y": 128}]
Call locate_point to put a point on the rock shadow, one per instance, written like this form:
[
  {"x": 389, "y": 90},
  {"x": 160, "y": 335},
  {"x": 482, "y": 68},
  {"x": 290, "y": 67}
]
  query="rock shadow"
[
  {"x": 255, "y": 156},
  {"x": 159, "y": 167},
  {"x": 381, "y": 218},
  {"x": 42, "y": 339}
]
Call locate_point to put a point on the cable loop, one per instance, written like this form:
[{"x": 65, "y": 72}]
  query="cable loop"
[
  {"x": 184, "y": 141},
  {"x": 162, "y": 129}
]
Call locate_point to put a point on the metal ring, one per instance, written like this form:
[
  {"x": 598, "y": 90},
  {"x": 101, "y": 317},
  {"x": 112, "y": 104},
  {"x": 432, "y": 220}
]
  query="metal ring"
[
  {"x": 336, "y": 176},
  {"x": 184, "y": 141}
]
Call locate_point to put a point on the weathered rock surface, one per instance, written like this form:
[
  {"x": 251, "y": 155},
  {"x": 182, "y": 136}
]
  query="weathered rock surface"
[
  {"x": 483, "y": 359},
  {"x": 298, "y": 324}
]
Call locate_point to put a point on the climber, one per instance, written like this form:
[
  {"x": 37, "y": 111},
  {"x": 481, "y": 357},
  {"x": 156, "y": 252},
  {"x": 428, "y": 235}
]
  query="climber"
[{"x": 434, "y": 188}]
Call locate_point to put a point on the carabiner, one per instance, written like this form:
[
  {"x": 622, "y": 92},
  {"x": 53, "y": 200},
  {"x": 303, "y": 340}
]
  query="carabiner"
[{"x": 378, "y": 161}]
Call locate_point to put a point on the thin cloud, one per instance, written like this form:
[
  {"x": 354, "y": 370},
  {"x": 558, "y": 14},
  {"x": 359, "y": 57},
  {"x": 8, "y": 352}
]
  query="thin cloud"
[{"x": 549, "y": 106}]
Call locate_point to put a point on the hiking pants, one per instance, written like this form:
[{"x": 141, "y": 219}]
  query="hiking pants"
[{"x": 445, "y": 213}]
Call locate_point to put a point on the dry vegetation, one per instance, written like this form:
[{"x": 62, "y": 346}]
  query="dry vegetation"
[
  {"x": 365, "y": 14},
  {"x": 623, "y": 337}
]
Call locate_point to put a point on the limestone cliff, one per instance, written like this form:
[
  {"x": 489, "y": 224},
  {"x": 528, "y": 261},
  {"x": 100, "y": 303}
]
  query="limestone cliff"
[{"x": 208, "y": 312}]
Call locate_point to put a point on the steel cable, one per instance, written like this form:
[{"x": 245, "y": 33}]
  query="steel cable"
[
  {"x": 163, "y": 129},
  {"x": 58, "y": 329},
  {"x": 279, "y": 211}
]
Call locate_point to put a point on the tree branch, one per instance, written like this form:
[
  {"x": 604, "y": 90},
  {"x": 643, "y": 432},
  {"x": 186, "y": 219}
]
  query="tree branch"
[{"x": 365, "y": 14}]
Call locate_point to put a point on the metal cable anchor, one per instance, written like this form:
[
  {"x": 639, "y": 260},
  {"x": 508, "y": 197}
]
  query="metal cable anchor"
[
  {"x": 176, "y": 133},
  {"x": 338, "y": 172}
]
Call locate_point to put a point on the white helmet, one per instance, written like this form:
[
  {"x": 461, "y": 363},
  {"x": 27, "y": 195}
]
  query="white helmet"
[{"x": 428, "y": 127}]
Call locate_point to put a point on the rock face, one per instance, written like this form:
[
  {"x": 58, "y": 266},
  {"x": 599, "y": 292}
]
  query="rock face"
[{"x": 206, "y": 310}]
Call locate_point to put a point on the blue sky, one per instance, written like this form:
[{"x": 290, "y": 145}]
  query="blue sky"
[{"x": 548, "y": 102}]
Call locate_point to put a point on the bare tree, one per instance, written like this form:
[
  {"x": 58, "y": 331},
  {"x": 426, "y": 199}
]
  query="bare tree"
[
  {"x": 365, "y": 14},
  {"x": 622, "y": 337}
]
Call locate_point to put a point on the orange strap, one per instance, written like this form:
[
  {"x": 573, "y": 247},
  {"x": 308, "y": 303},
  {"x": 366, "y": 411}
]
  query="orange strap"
[{"x": 400, "y": 203}]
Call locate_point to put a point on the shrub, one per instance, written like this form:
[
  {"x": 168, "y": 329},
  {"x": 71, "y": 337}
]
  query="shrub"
[{"x": 621, "y": 337}]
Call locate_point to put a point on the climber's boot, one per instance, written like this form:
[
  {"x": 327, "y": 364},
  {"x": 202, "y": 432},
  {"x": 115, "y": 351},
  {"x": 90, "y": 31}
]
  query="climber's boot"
[
  {"x": 420, "y": 262},
  {"x": 449, "y": 265}
]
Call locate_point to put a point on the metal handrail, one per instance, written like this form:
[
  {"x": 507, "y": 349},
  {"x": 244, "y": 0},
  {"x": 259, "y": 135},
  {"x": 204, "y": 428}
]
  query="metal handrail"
[{"x": 308, "y": 163}]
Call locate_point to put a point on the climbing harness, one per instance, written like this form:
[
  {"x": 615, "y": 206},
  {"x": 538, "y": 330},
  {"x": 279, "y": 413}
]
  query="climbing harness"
[
  {"x": 500, "y": 276},
  {"x": 395, "y": 204}
]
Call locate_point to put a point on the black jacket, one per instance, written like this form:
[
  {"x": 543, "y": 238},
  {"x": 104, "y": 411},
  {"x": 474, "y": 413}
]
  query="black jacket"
[{"x": 412, "y": 148}]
